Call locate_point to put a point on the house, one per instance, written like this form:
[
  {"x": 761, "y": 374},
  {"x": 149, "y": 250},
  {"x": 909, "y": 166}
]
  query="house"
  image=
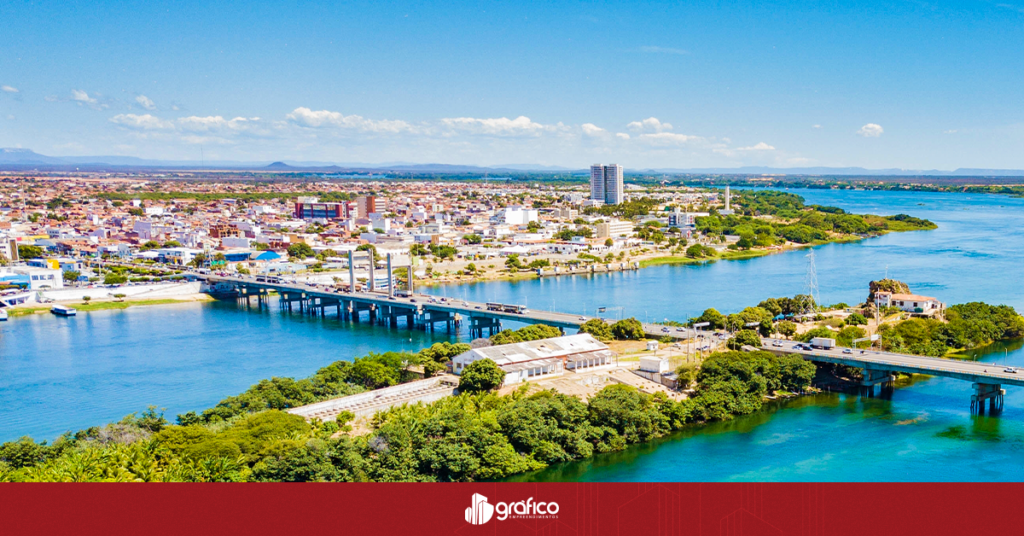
[
  {"x": 540, "y": 359},
  {"x": 911, "y": 303}
]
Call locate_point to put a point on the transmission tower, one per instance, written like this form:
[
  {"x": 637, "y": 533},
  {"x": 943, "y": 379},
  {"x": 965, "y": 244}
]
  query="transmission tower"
[{"x": 812, "y": 279}]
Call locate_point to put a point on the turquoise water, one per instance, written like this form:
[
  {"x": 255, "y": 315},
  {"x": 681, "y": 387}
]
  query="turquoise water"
[{"x": 59, "y": 374}]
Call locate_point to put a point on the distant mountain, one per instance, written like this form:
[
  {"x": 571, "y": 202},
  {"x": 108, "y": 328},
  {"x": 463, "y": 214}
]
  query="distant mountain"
[
  {"x": 27, "y": 157},
  {"x": 16, "y": 158}
]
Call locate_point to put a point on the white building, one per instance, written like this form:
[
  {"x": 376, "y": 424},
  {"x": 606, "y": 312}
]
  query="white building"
[
  {"x": 41, "y": 278},
  {"x": 911, "y": 303},
  {"x": 606, "y": 184},
  {"x": 520, "y": 215},
  {"x": 614, "y": 229},
  {"x": 539, "y": 359}
]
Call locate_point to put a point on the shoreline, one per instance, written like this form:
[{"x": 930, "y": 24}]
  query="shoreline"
[{"x": 109, "y": 304}]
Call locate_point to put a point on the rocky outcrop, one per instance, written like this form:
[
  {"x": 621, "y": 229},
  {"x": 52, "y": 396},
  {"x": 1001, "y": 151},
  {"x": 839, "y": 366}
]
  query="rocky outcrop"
[{"x": 886, "y": 285}]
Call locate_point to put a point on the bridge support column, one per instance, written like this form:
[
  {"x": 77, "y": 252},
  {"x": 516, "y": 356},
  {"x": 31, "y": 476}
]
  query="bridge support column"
[
  {"x": 992, "y": 392},
  {"x": 351, "y": 273},
  {"x": 874, "y": 377}
]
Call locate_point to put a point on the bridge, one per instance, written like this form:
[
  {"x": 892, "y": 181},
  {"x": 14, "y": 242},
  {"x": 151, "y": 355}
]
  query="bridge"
[
  {"x": 387, "y": 306},
  {"x": 879, "y": 368},
  {"x": 393, "y": 308}
]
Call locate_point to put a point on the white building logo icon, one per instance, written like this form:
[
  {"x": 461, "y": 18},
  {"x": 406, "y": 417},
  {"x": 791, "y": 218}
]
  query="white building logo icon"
[{"x": 480, "y": 512}]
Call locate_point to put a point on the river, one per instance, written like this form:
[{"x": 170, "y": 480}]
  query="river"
[{"x": 59, "y": 374}]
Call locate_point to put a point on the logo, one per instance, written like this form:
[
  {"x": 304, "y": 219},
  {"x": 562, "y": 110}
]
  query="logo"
[{"x": 481, "y": 511}]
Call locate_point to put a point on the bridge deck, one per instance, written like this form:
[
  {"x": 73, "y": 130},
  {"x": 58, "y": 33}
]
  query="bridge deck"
[
  {"x": 426, "y": 303},
  {"x": 973, "y": 371}
]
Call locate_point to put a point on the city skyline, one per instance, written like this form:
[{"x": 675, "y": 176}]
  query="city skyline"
[{"x": 789, "y": 85}]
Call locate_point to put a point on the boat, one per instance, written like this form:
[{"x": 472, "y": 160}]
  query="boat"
[
  {"x": 63, "y": 310},
  {"x": 3, "y": 315}
]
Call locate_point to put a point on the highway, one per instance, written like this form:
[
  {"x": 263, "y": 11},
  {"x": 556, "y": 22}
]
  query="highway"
[{"x": 973, "y": 371}]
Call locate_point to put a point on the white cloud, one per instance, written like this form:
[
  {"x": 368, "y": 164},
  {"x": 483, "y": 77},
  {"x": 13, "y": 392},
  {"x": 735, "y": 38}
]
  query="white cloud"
[
  {"x": 9, "y": 89},
  {"x": 10, "y": 117},
  {"x": 81, "y": 96},
  {"x": 591, "y": 129},
  {"x": 669, "y": 138},
  {"x": 762, "y": 146},
  {"x": 84, "y": 99},
  {"x": 145, "y": 102},
  {"x": 951, "y": 131},
  {"x": 141, "y": 122},
  {"x": 815, "y": 126},
  {"x": 216, "y": 123},
  {"x": 499, "y": 126},
  {"x": 622, "y": 135},
  {"x": 306, "y": 117},
  {"x": 649, "y": 124},
  {"x": 871, "y": 130},
  {"x": 664, "y": 50}
]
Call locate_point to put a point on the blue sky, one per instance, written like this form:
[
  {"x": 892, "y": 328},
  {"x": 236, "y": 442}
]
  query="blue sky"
[{"x": 876, "y": 84}]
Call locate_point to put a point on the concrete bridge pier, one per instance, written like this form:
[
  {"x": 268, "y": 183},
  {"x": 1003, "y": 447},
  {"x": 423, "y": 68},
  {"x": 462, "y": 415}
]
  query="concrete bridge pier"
[
  {"x": 477, "y": 325},
  {"x": 874, "y": 377},
  {"x": 992, "y": 392}
]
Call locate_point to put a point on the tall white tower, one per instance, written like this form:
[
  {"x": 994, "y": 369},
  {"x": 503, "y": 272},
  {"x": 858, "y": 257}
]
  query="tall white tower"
[
  {"x": 728, "y": 198},
  {"x": 597, "y": 182},
  {"x": 606, "y": 184},
  {"x": 614, "y": 189}
]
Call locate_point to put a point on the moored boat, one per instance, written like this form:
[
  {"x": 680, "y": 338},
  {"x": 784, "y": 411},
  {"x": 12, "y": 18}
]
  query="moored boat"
[{"x": 63, "y": 310}]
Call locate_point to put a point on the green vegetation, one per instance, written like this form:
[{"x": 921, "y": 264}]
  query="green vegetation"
[
  {"x": 969, "y": 325},
  {"x": 528, "y": 333},
  {"x": 30, "y": 252},
  {"x": 300, "y": 251},
  {"x": 628, "y": 329},
  {"x": 480, "y": 376},
  {"x": 467, "y": 437},
  {"x": 598, "y": 328},
  {"x": 793, "y": 221}
]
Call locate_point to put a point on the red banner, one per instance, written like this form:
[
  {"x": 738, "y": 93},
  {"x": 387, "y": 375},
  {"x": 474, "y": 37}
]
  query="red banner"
[{"x": 550, "y": 509}]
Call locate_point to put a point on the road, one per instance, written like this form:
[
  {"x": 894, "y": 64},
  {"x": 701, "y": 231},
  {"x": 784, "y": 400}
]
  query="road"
[{"x": 888, "y": 361}]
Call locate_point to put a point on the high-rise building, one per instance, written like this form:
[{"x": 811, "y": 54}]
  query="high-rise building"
[
  {"x": 606, "y": 184},
  {"x": 365, "y": 205}
]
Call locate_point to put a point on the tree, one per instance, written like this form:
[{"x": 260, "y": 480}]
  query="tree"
[
  {"x": 151, "y": 244},
  {"x": 714, "y": 319},
  {"x": 86, "y": 298},
  {"x": 786, "y": 328},
  {"x": 114, "y": 279},
  {"x": 745, "y": 337},
  {"x": 598, "y": 328},
  {"x": 71, "y": 276},
  {"x": 371, "y": 248},
  {"x": 471, "y": 268},
  {"x": 172, "y": 244},
  {"x": 479, "y": 376},
  {"x": 513, "y": 262},
  {"x": 473, "y": 238},
  {"x": 609, "y": 242},
  {"x": 856, "y": 319},
  {"x": 30, "y": 252},
  {"x": 4, "y": 261},
  {"x": 120, "y": 297},
  {"x": 628, "y": 329},
  {"x": 435, "y": 358},
  {"x": 300, "y": 251}
]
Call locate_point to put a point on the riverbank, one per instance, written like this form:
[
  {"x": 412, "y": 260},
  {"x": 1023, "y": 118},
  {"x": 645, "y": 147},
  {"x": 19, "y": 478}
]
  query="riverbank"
[{"x": 107, "y": 304}]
